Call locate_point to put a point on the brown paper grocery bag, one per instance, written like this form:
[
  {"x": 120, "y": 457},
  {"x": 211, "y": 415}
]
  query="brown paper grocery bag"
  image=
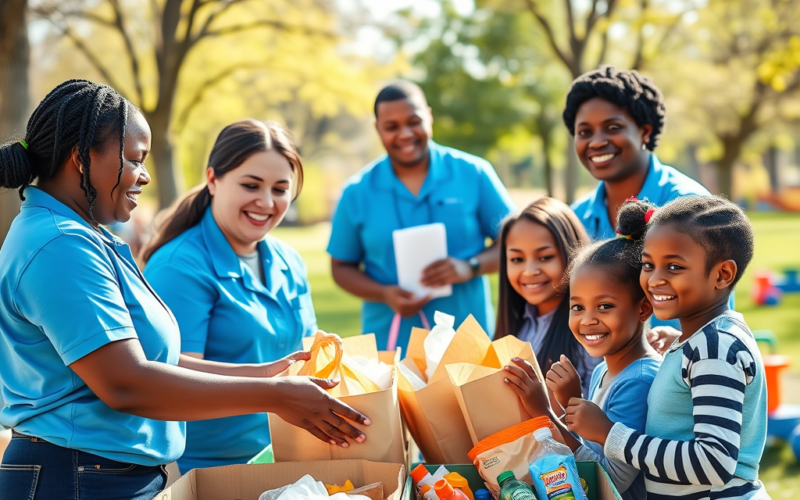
[
  {"x": 385, "y": 438},
  {"x": 432, "y": 413},
  {"x": 487, "y": 403}
]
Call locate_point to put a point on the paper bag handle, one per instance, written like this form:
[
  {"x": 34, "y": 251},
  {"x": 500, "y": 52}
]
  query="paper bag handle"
[
  {"x": 319, "y": 345},
  {"x": 394, "y": 330}
]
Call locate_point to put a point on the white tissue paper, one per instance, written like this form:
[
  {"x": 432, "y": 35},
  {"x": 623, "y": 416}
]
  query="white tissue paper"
[
  {"x": 413, "y": 376},
  {"x": 438, "y": 340},
  {"x": 306, "y": 487},
  {"x": 378, "y": 372}
]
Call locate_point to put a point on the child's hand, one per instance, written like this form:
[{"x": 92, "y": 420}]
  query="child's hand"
[
  {"x": 564, "y": 381},
  {"x": 588, "y": 421},
  {"x": 531, "y": 391}
]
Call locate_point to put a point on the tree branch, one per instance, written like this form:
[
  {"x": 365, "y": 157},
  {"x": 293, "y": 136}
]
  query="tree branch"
[
  {"x": 550, "y": 35},
  {"x": 93, "y": 60},
  {"x": 197, "y": 98},
  {"x": 571, "y": 20},
  {"x": 222, "y": 7},
  {"x": 591, "y": 20},
  {"x": 227, "y": 30},
  {"x": 134, "y": 61},
  {"x": 196, "y": 5},
  {"x": 638, "y": 58}
]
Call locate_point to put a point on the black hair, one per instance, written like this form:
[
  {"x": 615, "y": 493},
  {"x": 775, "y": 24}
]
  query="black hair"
[
  {"x": 621, "y": 257},
  {"x": 629, "y": 90},
  {"x": 716, "y": 224},
  {"x": 76, "y": 114},
  {"x": 398, "y": 91},
  {"x": 569, "y": 235}
]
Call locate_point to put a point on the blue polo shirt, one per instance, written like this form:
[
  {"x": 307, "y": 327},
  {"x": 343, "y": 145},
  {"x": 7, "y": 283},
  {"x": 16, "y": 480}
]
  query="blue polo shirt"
[
  {"x": 65, "y": 291},
  {"x": 462, "y": 191},
  {"x": 227, "y": 314},
  {"x": 662, "y": 185}
]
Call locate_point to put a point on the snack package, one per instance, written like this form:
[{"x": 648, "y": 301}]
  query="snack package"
[{"x": 509, "y": 450}]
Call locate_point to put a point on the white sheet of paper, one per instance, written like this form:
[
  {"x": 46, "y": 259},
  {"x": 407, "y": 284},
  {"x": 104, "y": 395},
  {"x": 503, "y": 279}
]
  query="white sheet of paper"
[{"x": 415, "y": 248}]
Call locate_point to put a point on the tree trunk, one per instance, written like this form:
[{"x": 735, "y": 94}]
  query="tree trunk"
[
  {"x": 771, "y": 164},
  {"x": 732, "y": 146},
  {"x": 162, "y": 158},
  {"x": 14, "y": 97},
  {"x": 546, "y": 132},
  {"x": 571, "y": 172}
]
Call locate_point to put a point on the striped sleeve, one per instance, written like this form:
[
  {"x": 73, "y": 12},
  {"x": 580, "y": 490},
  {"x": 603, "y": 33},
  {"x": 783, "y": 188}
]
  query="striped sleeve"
[{"x": 717, "y": 366}]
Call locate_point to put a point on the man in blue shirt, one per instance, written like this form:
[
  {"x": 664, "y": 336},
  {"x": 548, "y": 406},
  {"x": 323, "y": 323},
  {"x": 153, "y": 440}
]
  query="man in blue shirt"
[
  {"x": 417, "y": 182},
  {"x": 616, "y": 118}
]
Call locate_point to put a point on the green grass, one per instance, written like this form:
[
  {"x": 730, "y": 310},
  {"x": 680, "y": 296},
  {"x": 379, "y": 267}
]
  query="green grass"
[{"x": 777, "y": 248}]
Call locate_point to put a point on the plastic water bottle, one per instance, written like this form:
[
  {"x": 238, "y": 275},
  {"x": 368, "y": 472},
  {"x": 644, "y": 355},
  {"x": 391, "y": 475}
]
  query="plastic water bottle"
[
  {"x": 512, "y": 488},
  {"x": 553, "y": 469}
]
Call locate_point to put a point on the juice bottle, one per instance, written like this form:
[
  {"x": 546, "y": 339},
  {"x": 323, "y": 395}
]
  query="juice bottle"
[
  {"x": 553, "y": 470},
  {"x": 512, "y": 488},
  {"x": 446, "y": 492}
]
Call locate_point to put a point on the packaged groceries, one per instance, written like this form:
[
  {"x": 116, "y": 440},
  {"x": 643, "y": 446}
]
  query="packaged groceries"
[{"x": 553, "y": 470}]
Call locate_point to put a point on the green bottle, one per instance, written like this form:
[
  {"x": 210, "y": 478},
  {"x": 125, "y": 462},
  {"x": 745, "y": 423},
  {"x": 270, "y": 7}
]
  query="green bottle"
[{"x": 512, "y": 488}]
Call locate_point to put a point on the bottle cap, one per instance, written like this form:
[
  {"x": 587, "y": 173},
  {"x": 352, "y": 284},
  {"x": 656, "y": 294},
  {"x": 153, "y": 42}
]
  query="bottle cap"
[
  {"x": 509, "y": 474},
  {"x": 483, "y": 494},
  {"x": 443, "y": 489},
  {"x": 418, "y": 473},
  {"x": 542, "y": 434}
]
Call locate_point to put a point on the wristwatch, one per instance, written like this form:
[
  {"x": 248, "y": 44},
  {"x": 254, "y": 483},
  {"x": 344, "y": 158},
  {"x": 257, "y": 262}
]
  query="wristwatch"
[{"x": 474, "y": 265}]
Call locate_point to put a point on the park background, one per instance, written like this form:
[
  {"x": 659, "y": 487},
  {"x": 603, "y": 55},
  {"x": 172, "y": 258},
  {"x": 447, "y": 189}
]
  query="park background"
[{"x": 495, "y": 73}]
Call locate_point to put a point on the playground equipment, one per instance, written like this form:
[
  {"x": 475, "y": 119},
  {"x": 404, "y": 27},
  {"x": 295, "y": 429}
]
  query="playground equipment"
[
  {"x": 783, "y": 420},
  {"x": 768, "y": 289}
]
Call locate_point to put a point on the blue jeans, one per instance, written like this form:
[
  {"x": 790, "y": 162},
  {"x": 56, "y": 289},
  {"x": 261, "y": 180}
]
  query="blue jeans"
[{"x": 34, "y": 469}]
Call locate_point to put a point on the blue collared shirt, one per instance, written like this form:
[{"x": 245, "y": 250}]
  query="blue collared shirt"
[
  {"x": 662, "y": 185},
  {"x": 227, "y": 314},
  {"x": 462, "y": 191},
  {"x": 65, "y": 291}
]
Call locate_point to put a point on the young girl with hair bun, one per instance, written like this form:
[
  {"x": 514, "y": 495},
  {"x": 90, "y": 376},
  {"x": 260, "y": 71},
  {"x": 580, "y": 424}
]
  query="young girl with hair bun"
[
  {"x": 607, "y": 314},
  {"x": 707, "y": 408}
]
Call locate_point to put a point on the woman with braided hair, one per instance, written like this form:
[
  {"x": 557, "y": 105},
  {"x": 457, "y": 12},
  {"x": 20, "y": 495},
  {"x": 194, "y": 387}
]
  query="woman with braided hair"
[
  {"x": 95, "y": 387},
  {"x": 617, "y": 118}
]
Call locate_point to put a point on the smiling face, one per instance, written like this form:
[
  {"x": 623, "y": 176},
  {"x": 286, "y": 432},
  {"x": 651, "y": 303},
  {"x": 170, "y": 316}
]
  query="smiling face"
[
  {"x": 115, "y": 204},
  {"x": 608, "y": 141},
  {"x": 675, "y": 276},
  {"x": 251, "y": 199},
  {"x": 405, "y": 127},
  {"x": 534, "y": 264},
  {"x": 604, "y": 315}
]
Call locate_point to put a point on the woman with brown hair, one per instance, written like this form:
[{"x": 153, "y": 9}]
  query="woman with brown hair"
[{"x": 239, "y": 295}]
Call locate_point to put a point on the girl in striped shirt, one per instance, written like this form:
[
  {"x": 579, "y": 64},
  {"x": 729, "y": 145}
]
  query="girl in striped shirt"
[{"x": 707, "y": 408}]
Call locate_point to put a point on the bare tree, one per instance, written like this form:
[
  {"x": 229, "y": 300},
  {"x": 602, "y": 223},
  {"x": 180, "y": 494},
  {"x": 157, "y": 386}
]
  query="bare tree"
[
  {"x": 14, "y": 98},
  {"x": 179, "y": 27}
]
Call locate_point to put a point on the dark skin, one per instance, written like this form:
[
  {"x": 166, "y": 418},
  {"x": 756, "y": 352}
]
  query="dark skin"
[
  {"x": 123, "y": 378},
  {"x": 603, "y": 129},
  {"x": 674, "y": 268},
  {"x": 608, "y": 321},
  {"x": 405, "y": 127},
  {"x": 676, "y": 280}
]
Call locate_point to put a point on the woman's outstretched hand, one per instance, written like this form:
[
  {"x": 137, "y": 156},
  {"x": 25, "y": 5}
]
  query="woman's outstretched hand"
[
  {"x": 281, "y": 365},
  {"x": 305, "y": 404}
]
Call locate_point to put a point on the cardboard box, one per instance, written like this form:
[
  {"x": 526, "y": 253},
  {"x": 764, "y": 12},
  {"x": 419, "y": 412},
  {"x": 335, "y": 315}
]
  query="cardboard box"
[
  {"x": 600, "y": 486},
  {"x": 247, "y": 482}
]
